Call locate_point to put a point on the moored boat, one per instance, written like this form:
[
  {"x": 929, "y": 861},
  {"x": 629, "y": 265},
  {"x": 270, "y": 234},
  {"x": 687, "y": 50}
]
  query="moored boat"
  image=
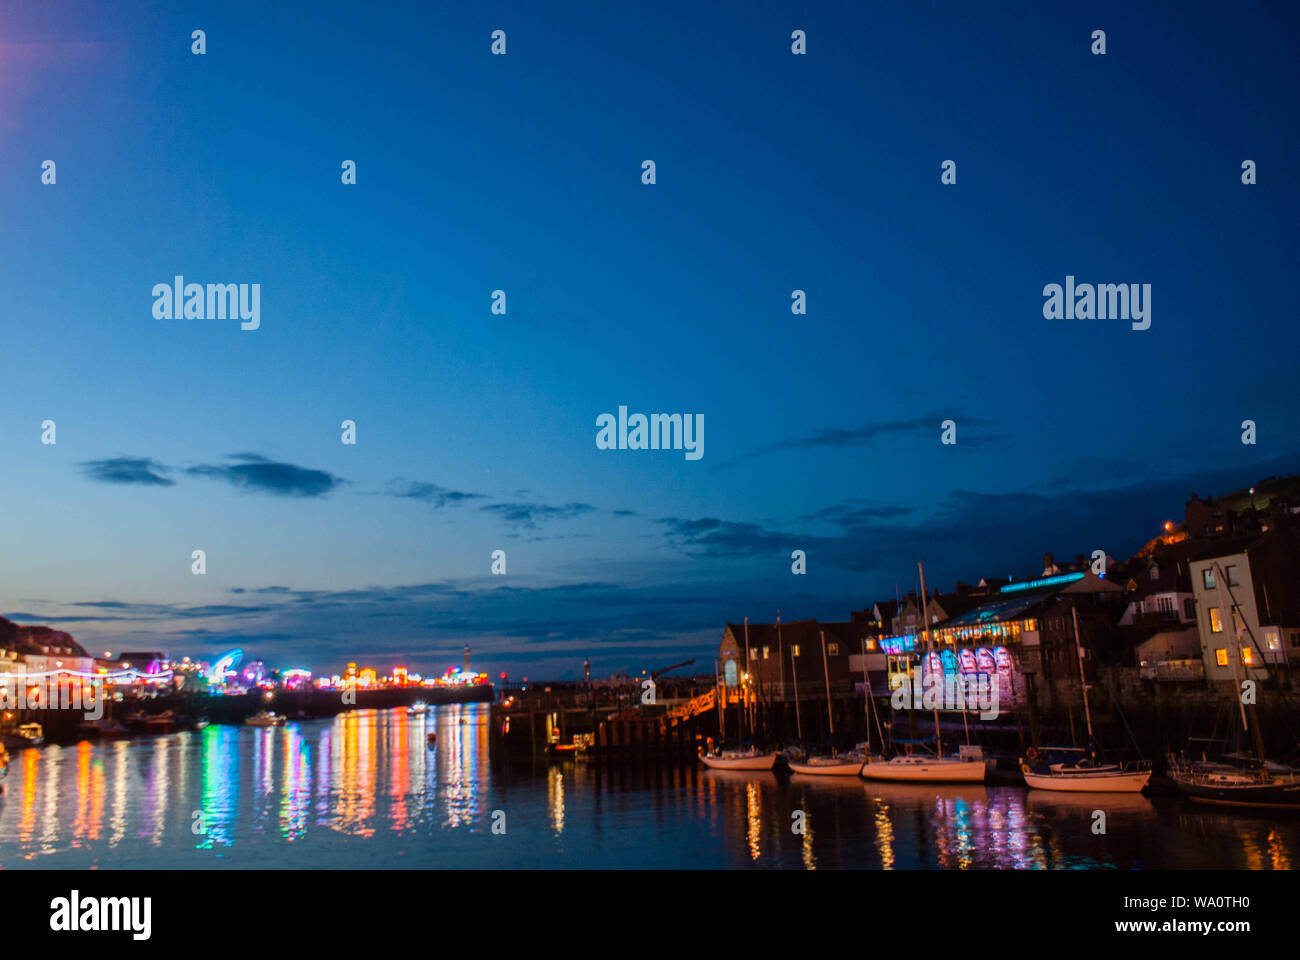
[
  {"x": 1088, "y": 778},
  {"x": 739, "y": 760},
  {"x": 265, "y": 718},
  {"x": 841, "y": 766},
  {"x": 1236, "y": 788},
  {"x": 923, "y": 769}
]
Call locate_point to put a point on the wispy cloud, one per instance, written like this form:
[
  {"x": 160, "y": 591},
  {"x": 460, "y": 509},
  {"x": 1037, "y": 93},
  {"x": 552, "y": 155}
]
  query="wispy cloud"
[
  {"x": 428, "y": 493},
  {"x": 129, "y": 470},
  {"x": 251, "y": 471},
  {"x": 862, "y": 436}
]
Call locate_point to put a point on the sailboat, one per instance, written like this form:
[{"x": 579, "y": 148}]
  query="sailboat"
[
  {"x": 834, "y": 765},
  {"x": 739, "y": 758},
  {"x": 968, "y": 766},
  {"x": 1087, "y": 775},
  {"x": 1261, "y": 785}
]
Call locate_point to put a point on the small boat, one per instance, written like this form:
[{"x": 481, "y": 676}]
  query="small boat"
[
  {"x": 1242, "y": 787},
  {"x": 739, "y": 760},
  {"x": 922, "y": 769},
  {"x": 160, "y": 722},
  {"x": 432, "y": 739},
  {"x": 1086, "y": 777},
  {"x": 265, "y": 718},
  {"x": 845, "y": 765},
  {"x": 418, "y": 709},
  {"x": 32, "y": 733},
  {"x": 200, "y": 723},
  {"x": 107, "y": 729}
]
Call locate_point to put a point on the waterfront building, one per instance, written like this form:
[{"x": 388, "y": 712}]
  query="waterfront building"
[{"x": 1261, "y": 573}]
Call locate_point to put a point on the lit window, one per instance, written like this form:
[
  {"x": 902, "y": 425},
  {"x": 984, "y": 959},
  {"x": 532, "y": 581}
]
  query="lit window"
[
  {"x": 1272, "y": 640},
  {"x": 1247, "y": 655},
  {"x": 795, "y": 650},
  {"x": 833, "y": 649},
  {"x": 871, "y": 644},
  {"x": 1207, "y": 577},
  {"x": 766, "y": 650},
  {"x": 1232, "y": 576},
  {"x": 1221, "y": 656},
  {"x": 1216, "y": 622}
]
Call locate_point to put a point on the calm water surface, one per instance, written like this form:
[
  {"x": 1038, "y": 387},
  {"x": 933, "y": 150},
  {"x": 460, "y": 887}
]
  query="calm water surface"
[{"x": 363, "y": 790}]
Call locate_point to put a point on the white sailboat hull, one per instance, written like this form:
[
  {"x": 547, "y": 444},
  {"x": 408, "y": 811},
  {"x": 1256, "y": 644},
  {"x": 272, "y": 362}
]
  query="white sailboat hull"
[
  {"x": 1109, "y": 781},
  {"x": 763, "y": 761},
  {"x": 926, "y": 770}
]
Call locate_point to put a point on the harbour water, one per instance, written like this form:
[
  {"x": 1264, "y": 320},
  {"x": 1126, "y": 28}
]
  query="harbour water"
[{"x": 363, "y": 790}]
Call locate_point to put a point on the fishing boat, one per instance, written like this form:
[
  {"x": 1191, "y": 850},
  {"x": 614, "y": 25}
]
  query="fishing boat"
[
  {"x": 1087, "y": 774},
  {"x": 265, "y": 718},
  {"x": 739, "y": 760},
  {"x": 1255, "y": 783}
]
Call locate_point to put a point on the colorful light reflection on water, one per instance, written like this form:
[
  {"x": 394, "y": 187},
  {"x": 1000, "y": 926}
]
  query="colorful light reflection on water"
[{"x": 364, "y": 790}]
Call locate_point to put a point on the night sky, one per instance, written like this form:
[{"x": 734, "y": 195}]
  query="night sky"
[{"x": 476, "y": 432}]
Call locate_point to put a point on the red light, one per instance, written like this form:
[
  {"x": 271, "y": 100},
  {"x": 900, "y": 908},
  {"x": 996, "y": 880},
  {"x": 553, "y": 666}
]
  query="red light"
[{"x": 503, "y": 674}]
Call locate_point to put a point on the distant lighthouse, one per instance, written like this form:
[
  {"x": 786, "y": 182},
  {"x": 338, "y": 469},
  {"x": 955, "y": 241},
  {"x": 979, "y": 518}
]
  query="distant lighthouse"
[{"x": 467, "y": 658}]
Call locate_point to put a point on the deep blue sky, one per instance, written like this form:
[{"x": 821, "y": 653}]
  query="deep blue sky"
[{"x": 522, "y": 172}]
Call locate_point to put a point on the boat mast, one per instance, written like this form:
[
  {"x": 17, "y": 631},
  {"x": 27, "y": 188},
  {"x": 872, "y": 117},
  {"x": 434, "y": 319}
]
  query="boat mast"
[
  {"x": 826, "y": 672},
  {"x": 794, "y": 676},
  {"x": 925, "y": 625},
  {"x": 1235, "y": 655},
  {"x": 870, "y": 705},
  {"x": 1083, "y": 680},
  {"x": 744, "y": 673}
]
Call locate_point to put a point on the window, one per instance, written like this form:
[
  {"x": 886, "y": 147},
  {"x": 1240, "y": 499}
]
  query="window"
[
  {"x": 1221, "y": 656},
  {"x": 871, "y": 644},
  {"x": 1189, "y": 609},
  {"x": 766, "y": 651},
  {"x": 833, "y": 649},
  {"x": 794, "y": 651},
  {"x": 1231, "y": 571},
  {"x": 1248, "y": 655},
  {"x": 1207, "y": 577},
  {"x": 1165, "y": 604},
  {"x": 1272, "y": 640},
  {"x": 753, "y": 654},
  {"x": 1216, "y": 622}
]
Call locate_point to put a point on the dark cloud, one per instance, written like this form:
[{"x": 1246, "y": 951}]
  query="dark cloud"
[
  {"x": 136, "y": 470},
  {"x": 251, "y": 471},
  {"x": 528, "y": 515},
  {"x": 626, "y": 513}
]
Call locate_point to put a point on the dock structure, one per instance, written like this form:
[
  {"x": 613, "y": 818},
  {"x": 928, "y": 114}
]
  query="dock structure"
[{"x": 570, "y": 721}]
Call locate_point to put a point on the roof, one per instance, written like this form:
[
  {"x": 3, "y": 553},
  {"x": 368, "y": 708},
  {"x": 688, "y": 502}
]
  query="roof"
[{"x": 1000, "y": 611}]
